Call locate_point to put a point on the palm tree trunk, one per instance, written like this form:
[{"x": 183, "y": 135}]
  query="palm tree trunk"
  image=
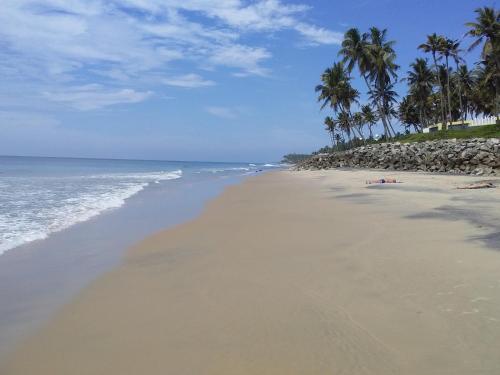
[
  {"x": 443, "y": 121},
  {"x": 390, "y": 125},
  {"x": 360, "y": 133},
  {"x": 497, "y": 78},
  {"x": 421, "y": 117},
  {"x": 448, "y": 89},
  {"x": 462, "y": 112},
  {"x": 379, "y": 108}
]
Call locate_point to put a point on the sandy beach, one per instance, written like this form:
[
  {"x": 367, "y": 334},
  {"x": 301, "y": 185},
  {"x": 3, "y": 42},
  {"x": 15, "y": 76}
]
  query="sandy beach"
[{"x": 297, "y": 273}]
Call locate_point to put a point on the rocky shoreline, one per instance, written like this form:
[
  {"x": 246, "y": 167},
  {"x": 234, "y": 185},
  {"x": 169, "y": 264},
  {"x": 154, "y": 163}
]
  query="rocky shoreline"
[{"x": 476, "y": 156}]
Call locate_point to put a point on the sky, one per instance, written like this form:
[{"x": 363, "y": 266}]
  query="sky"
[{"x": 212, "y": 80}]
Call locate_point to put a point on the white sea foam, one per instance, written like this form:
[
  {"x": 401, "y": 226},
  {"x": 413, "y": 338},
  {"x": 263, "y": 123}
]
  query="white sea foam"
[
  {"x": 220, "y": 170},
  {"x": 57, "y": 204}
]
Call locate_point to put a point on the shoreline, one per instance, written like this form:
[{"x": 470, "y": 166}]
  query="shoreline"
[
  {"x": 39, "y": 277},
  {"x": 296, "y": 272}
]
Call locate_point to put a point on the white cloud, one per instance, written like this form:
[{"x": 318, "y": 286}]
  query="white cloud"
[
  {"x": 239, "y": 56},
  {"x": 319, "y": 35},
  {"x": 188, "y": 81},
  {"x": 129, "y": 43},
  {"x": 222, "y": 112},
  {"x": 95, "y": 96},
  {"x": 262, "y": 15}
]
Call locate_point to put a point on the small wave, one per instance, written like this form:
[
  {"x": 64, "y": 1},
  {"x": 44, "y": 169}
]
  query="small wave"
[
  {"x": 75, "y": 206},
  {"x": 219, "y": 170},
  {"x": 147, "y": 176},
  {"x": 270, "y": 165}
]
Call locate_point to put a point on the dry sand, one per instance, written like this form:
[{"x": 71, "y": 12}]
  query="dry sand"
[{"x": 297, "y": 273}]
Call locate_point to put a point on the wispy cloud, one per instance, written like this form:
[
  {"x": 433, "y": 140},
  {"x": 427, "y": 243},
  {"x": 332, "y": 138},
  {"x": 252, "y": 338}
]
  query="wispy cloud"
[
  {"x": 246, "y": 58},
  {"x": 222, "y": 112},
  {"x": 188, "y": 81},
  {"x": 319, "y": 35},
  {"x": 94, "y": 96},
  {"x": 125, "y": 43}
]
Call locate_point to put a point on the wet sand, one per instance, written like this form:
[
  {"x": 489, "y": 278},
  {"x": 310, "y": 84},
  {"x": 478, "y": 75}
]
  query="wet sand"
[{"x": 297, "y": 273}]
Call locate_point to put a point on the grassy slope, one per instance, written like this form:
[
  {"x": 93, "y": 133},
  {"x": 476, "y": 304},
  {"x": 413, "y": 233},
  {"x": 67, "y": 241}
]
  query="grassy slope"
[{"x": 487, "y": 131}]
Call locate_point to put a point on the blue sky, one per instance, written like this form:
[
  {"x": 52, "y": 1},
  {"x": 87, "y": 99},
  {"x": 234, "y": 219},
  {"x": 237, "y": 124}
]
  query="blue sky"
[{"x": 228, "y": 80}]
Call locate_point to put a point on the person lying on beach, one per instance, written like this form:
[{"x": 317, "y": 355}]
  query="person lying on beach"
[
  {"x": 382, "y": 181},
  {"x": 478, "y": 185}
]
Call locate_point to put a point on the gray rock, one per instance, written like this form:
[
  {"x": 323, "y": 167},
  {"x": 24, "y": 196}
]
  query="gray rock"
[{"x": 453, "y": 156}]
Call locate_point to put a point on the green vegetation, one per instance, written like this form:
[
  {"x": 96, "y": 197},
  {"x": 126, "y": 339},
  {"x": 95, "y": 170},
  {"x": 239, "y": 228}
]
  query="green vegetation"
[
  {"x": 295, "y": 158},
  {"x": 443, "y": 90},
  {"x": 487, "y": 131}
]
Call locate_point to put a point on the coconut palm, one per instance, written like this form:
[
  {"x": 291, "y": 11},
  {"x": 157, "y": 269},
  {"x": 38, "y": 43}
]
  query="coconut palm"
[
  {"x": 466, "y": 82},
  {"x": 328, "y": 90},
  {"x": 344, "y": 123},
  {"x": 443, "y": 77},
  {"x": 370, "y": 118},
  {"x": 408, "y": 113},
  {"x": 455, "y": 52},
  {"x": 356, "y": 52},
  {"x": 433, "y": 46},
  {"x": 420, "y": 79},
  {"x": 358, "y": 121},
  {"x": 382, "y": 71},
  {"x": 484, "y": 95},
  {"x": 337, "y": 92},
  {"x": 387, "y": 97},
  {"x": 446, "y": 49},
  {"x": 487, "y": 29},
  {"x": 330, "y": 127}
]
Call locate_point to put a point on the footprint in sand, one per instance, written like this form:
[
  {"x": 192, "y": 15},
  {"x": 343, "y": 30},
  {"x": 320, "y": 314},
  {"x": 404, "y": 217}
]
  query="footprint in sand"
[
  {"x": 474, "y": 311},
  {"x": 479, "y": 299}
]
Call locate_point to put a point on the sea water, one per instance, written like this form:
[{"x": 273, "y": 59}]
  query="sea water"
[
  {"x": 63, "y": 222},
  {"x": 40, "y": 196}
]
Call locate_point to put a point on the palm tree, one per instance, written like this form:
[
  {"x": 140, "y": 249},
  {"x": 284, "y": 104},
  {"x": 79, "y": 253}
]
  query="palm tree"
[
  {"x": 408, "y": 113},
  {"x": 370, "y": 118},
  {"x": 344, "y": 123},
  {"x": 328, "y": 89},
  {"x": 330, "y": 127},
  {"x": 387, "y": 96},
  {"x": 357, "y": 51},
  {"x": 358, "y": 121},
  {"x": 420, "y": 79},
  {"x": 484, "y": 95},
  {"x": 354, "y": 52},
  {"x": 455, "y": 53},
  {"x": 487, "y": 29},
  {"x": 447, "y": 46},
  {"x": 433, "y": 45},
  {"x": 466, "y": 82},
  {"x": 382, "y": 71},
  {"x": 337, "y": 92}
]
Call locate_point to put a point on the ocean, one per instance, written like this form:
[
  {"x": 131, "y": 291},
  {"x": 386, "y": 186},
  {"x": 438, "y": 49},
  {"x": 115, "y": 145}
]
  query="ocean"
[
  {"x": 40, "y": 196},
  {"x": 65, "y": 221}
]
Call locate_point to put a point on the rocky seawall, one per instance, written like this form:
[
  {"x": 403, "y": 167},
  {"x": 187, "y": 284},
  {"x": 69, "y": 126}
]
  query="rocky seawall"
[{"x": 476, "y": 156}]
